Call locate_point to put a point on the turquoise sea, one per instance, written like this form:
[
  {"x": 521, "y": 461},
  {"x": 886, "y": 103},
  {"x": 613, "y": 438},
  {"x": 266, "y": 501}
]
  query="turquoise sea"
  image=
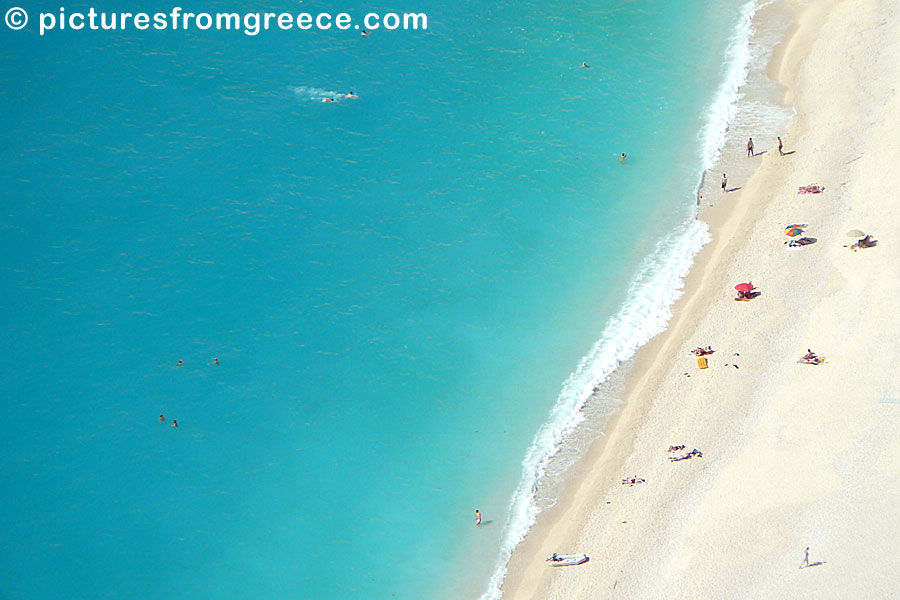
[{"x": 410, "y": 294}]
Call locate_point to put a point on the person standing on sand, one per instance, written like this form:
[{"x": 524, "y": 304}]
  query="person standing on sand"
[
  {"x": 750, "y": 148},
  {"x": 780, "y": 147},
  {"x": 805, "y": 562},
  {"x": 477, "y": 517},
  {"x": 724, "y": 182}
]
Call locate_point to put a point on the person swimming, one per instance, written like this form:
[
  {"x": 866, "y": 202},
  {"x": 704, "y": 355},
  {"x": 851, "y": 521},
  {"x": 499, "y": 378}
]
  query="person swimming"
[
  {"x": 162, "y": 419},
  {"x": 350, "y": 95},
  {"x": 327, "y": 99},
  {"x": 584, "y": 65},
  {"x": 180, "y": 362},
  {"x": 622, "y": 158},
  {"x": 175, "y": 423},
  {"x": 364, "y": 33}
]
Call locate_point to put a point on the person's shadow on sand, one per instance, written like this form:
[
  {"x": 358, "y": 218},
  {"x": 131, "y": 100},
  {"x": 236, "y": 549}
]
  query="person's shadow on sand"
[
  {"x": 734, "y": 189},
  {"x": 488, "y": 522},
  {"x": 788, "y": 154},
  {"x": 815, "y": 564}
]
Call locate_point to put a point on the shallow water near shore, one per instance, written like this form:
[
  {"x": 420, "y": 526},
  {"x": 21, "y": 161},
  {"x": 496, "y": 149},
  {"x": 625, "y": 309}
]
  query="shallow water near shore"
[{"x": 398, "y": 288}]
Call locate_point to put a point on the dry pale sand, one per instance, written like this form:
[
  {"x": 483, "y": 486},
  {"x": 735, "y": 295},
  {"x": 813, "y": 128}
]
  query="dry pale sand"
[{"x": 793, "y": 455}]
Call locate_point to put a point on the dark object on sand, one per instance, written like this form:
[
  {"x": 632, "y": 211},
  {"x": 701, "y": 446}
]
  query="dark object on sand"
[{"x": 866, "y": 242}]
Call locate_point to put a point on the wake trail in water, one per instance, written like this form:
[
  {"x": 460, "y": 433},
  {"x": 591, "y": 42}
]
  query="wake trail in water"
[{"x": 314, "y": 94}]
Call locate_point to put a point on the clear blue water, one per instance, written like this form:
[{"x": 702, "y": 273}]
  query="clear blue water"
[{"x": 395, "y": 286}]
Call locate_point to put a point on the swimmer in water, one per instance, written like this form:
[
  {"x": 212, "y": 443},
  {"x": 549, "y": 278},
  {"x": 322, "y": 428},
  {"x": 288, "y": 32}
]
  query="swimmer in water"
[
  {"x": 327, "y": 99},
  {"x": 622, "y": 158},
  {"x": 180, "y": 362},
  {"x": 365, "y": 33},
  {"x": 215, "y": 361},
  {"x": 175, "y": 423},
  {"x": 584, "y": 65},
  {"x": 162, "y": 419},
  {"x": 350, "y": 95}
]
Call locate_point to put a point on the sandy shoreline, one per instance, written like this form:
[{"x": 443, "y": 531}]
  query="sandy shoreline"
[{"x": 794, "y": 455}]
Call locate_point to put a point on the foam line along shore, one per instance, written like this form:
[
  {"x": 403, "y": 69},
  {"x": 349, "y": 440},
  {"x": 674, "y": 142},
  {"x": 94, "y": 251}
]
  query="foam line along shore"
[
  {"x": 655, "y": 288},
  {"x": 786, "y": 446}
]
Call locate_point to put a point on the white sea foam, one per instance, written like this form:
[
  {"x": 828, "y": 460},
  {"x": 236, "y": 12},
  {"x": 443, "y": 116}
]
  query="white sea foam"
[
  {"x": 646, "y": 313},
  {"x": 723, "y": 109},
  {"x": 315, "y": 94}
]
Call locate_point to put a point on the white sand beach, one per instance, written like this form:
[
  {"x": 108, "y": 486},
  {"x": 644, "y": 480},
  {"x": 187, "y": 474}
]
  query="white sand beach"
[{"x": 794, "y": 455}]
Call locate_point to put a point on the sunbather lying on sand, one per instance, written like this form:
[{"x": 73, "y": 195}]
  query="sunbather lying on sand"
[
  {"x": 866, "y": 242},
  {"x": 811, "y": 189},
  {"x": 632, "y": 481},
  {"x": 703, "y": 351},
  {"x": 812, "y": 360},
  {"x": 692, "y": 454},
  {"x": 675, "y": 448}
]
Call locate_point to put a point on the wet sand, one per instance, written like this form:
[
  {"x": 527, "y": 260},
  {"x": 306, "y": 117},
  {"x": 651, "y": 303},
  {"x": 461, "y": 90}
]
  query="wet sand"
[{"x": 794, "y": 455}]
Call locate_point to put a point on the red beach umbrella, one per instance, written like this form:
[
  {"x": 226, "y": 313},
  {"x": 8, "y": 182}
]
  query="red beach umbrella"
[{"x": 744, "y": 287}]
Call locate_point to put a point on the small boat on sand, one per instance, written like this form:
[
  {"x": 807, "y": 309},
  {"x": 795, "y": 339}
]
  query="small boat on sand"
[{"x": 566, "y": 560}]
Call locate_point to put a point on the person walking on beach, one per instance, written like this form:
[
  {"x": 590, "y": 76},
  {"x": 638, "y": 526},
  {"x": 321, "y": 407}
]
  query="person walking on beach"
[
  {"x": 724, "y": 182},
  {"x": 750, "y": 148},
  {"x": 780, "y": 147},
  {"x": 477, "y": 517},
  {"x": 805, "y": 562}
]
